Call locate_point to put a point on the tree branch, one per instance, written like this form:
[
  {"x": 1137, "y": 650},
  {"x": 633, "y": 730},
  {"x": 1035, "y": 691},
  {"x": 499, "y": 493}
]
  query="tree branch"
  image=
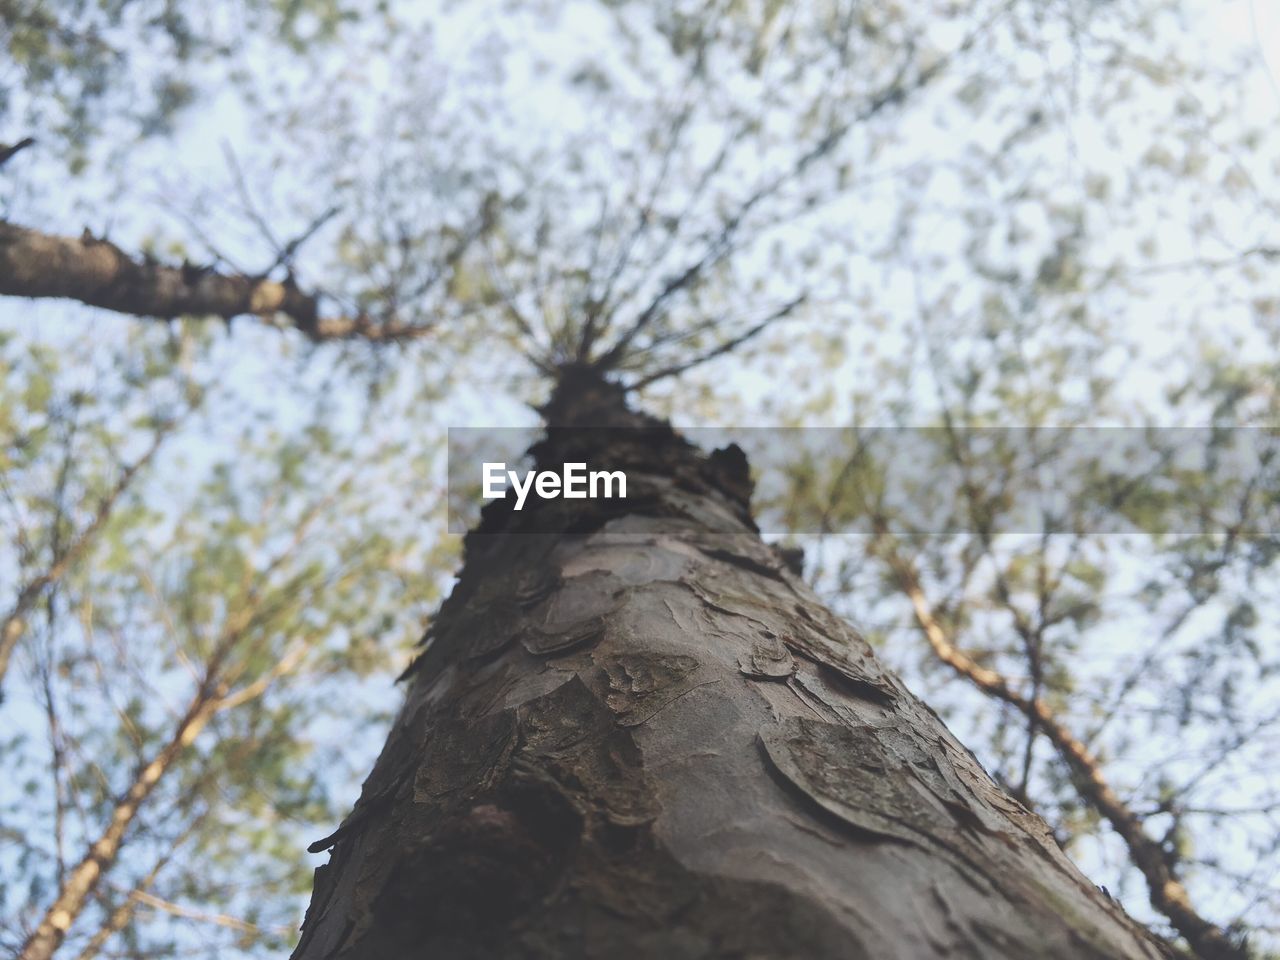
[
  {"x": 15, "y": 621},
  {"x": 101, "y": 855},
  {"x": 98, "y": 273},
  {"x": 1167, "y": 893},
  {"x": 187, "y": 913},
  {"x": 726, "y": 347},
  {"x": 9, "y": 151},
  {"x": 83, "y": 879}
]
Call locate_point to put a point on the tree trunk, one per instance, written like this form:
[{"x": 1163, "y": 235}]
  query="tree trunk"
[{"x": 642, "y": 736}]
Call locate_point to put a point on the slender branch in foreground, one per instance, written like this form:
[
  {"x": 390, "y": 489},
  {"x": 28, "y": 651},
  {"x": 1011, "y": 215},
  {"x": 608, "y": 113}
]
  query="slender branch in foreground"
[
  {"x": 96, "y": 272},
  {"x": 1167, "y": 893},
  {"x": 118, "y": 918},
  {"x": 187, "y": 913},
  {"x": 9, "y": 151},
  {"x": 123, "y": 912}
]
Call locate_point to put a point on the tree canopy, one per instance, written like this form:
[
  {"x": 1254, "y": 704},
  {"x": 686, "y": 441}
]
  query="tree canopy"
[{"x": 259, "y": 256}]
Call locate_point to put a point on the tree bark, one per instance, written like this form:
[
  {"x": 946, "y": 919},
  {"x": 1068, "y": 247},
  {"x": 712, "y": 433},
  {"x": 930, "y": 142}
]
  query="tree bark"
[{"x": 641, "y": 736}]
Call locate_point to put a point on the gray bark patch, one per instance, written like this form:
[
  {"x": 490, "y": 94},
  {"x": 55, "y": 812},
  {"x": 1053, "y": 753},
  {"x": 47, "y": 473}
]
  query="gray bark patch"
[
  {"x": 849, "y": 774},
  {"x": 574, "y": 615},
  {"x": 641, "y": 683},
  {"x": 465, "y": 758},
  {"x": 768, "y": 658}
]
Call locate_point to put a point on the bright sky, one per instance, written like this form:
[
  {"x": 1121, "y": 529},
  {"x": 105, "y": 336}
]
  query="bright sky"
[
  {"x": 1257, "y": 21},
  {"x": 1236, "y": 21}
]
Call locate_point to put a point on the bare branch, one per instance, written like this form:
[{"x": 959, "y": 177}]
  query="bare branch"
[
  {"x": 14, "y": 623},
  {"x": 186, "y": 913},
  {"x": 725, "y": 240},
  {"x": 9, "y": 151},
  {"x": 290, "y": 249},
  {"x": 1167, "y": 893},
  {"x": 83, "y": 878},
  {"x": 98, "y": 273},
  {"x": 726, "y": 347}
]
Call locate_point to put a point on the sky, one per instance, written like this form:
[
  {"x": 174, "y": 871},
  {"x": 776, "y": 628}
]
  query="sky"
[{"x": 197, "y": 158}]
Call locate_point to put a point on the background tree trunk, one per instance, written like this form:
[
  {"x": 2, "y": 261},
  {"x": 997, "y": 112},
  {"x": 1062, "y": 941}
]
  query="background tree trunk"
[{"x": 643, "y": 736}]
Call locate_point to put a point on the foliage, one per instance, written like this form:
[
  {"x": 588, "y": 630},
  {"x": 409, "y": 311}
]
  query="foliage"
[
  {"x": 1137, "y": 612},
  {"x": 282, "y": 537},
  {"x": 934, "y": 215}
]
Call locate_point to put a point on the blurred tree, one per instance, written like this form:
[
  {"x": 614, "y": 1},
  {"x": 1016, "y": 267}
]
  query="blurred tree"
[
  {"x": 180, "y": 642},
  {"x": 78, "y": 71},
  {"x": 996, "y": 194},
  {"x": 1030, "y": 615}
]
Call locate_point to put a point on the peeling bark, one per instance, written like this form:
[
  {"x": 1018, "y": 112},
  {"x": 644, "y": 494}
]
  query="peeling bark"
[{"x": 645, "y": 737}]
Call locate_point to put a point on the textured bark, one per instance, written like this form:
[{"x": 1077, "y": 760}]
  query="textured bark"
[
  {"x": 96, "y": 272},
  {"x": 643, "y": 737}
]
